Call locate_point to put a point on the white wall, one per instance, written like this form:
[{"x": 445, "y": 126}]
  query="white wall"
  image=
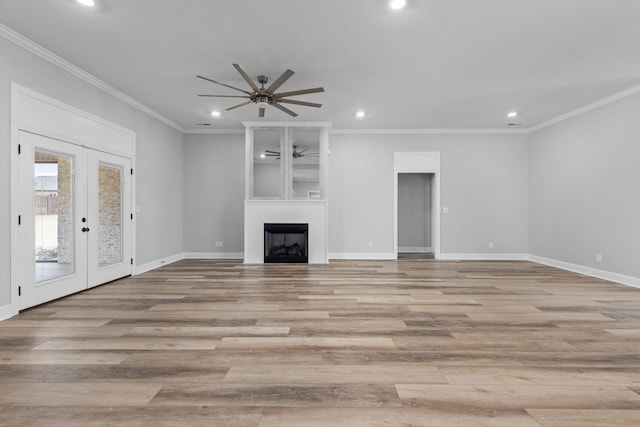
[
  {"x": 159, "y": 155},
  {"x": 584, "y": 178},
  {"x": 483, "y": 184},
  {"x": 214, "y": 193}
]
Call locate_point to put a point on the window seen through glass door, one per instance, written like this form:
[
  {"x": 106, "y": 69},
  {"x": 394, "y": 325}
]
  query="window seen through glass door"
[{"x": 53, "y": 215}]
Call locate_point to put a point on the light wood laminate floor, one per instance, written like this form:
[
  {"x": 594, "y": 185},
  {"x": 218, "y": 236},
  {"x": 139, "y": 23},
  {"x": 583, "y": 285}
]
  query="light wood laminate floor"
[{"x": 414, "y": 342}]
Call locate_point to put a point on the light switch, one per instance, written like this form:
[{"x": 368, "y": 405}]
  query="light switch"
[{"x": 444, "y": 210}]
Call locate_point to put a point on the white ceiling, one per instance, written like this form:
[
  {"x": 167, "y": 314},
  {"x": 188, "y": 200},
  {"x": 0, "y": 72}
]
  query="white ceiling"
[{"x": 436, "y": 64}]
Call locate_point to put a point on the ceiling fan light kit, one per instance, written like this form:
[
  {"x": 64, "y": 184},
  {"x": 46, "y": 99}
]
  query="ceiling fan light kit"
[{"x": 264, "y": 97}]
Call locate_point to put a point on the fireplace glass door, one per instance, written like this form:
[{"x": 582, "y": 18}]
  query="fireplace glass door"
[{"x": 286, "y": 243}]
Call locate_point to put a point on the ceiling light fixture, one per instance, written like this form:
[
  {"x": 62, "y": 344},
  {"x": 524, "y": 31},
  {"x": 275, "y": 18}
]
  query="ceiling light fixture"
[
  {"x": 397, "y": 4},
  {"x": 215, "y": 113},
  {"x": 360, "y": 114},
  {"x": 512, "y": 114},
  {"x": 87, "y": 2}
]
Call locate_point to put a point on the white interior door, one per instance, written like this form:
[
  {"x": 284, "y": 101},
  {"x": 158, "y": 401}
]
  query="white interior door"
[
  {"x": 53, "y": 201},
  {"x": 109, "y": 217},
  {"x": 75, "y": 221}
]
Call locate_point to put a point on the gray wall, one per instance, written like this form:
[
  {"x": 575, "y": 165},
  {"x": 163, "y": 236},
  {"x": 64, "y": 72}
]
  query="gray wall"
[
  {"x": 584, "y": 177},
  {"x": 414, "y": 210},
  {"x": 483, "y": 183},
  {"x": 214, "y": 193},
  {"x": 159, "y": 155}
]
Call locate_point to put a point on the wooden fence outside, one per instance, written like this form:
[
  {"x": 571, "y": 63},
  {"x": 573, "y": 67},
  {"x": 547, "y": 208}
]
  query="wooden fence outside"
[{"x": 45, "y": 204}]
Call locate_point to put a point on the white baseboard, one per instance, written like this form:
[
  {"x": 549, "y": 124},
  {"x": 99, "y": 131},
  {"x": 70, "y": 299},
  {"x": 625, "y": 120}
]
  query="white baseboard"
[
  {"x": 213, "y": 255},
  {"x": 484, "y": 257},
  {"x": 414, "y": 250},
  {"x": 7, "y": 311},
  {"x": 588, "y": 271},
  {"x": 139, "y": 269},
  {"x": 363, "y": 255}
]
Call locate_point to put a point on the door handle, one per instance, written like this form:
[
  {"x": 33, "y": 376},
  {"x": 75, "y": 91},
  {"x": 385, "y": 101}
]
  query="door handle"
[{"x": 85, "y": 229}]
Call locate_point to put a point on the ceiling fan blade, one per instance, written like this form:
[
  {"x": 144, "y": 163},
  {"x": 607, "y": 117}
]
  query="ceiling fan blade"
[
  {"x": 222, "y": 84},
  {"x": 272, "y": 155},
  {"x": 239, "y": 105},
  {"x": 280, "y": 80},
  {"x": 293, "y": 101},
  {"x": 272, "y": 152},
  {"x": 298, "y": 92},
  {"x": 226, "y": 96},
  {"x": 246, "y": 77},
  {"x": 285, "y": 109},
  {"x": 261, "y": 112}
]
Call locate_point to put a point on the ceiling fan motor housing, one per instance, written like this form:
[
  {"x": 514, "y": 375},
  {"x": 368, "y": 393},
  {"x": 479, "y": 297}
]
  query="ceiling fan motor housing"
[{"x": 262, "y": 100}]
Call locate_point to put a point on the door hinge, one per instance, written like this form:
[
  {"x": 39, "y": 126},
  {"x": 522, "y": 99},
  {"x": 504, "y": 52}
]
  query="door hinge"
[
  {"x": 131, "y": 171},
  {"x": 19, "y": 149},
  {"x": 131, "y": 261},
  {"x": 19, "y": 290},
  {"x": 19, "y": 219},
  {"x": 132, "y": 216}
]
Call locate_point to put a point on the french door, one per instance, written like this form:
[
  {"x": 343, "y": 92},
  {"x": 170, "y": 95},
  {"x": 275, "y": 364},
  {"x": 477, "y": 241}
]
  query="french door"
[{"x": 75, "y": 222}]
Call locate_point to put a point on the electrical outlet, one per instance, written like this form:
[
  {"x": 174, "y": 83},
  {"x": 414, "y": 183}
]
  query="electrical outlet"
[
  {"x": 490, "y": 245},
  {"x": 444, "y": 210},
  {"x": 370, "y": 243},
  {"x": 598, "y": 257}
]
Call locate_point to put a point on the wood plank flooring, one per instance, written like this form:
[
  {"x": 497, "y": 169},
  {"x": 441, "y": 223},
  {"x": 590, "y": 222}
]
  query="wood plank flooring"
[{"x": 413, "y": 342}]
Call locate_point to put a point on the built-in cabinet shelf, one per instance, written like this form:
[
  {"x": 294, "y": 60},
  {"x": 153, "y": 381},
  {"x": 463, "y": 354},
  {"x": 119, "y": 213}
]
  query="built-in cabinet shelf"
[{"x": 286, "y": 160}]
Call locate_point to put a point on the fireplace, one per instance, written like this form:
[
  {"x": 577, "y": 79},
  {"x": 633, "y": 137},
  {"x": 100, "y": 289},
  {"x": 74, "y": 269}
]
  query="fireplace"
[{"x": 286, "y": 243}]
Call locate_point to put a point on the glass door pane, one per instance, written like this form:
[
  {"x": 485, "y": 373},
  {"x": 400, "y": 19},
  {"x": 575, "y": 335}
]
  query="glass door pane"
[
  {"x": 109, "y": 215},
  {"x": 267, "y": 163},
  {"x": 53, "y": 195},
  {"x": 305, "y": 164}
]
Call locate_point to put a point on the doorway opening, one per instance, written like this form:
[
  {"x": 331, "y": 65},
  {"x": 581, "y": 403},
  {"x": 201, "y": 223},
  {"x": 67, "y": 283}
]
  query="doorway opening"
[
  {"x": 417, "y": 176},
  {"x": 415, "y": 215}
]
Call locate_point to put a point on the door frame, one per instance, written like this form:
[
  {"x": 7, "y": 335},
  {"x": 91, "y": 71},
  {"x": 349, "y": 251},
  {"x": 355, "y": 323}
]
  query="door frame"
[
  {"x": 37, "y": 113},
  {"x": 418, "y": 162}
]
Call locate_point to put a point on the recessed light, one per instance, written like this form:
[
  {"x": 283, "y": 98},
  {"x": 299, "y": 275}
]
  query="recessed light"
[
  {"x": 397, "y": 4},
  {"x": 262, "y": 156},
  {"x": 360, "y": 114},
  {"x": 87, "y": 2},
  {"x": 215, "y": 113},
  {"x": 512, "y": 114}
]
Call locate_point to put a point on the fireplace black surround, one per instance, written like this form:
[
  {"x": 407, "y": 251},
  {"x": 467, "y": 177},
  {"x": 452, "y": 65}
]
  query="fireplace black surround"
[{"x": 286, "y": 243}]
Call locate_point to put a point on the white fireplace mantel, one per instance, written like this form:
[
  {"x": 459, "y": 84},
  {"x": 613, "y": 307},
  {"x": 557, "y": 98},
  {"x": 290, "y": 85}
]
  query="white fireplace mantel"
[{"x": 260, "y": 212}]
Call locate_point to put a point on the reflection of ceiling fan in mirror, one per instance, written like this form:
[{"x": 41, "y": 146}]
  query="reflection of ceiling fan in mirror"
[
  {"x": 264, "y": 97},
  {"x": 296, "y": 154}
]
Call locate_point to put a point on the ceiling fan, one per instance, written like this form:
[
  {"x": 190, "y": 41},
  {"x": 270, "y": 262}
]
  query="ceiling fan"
[
  {"x": 296, "y": 154},
  {"x": 264, "y": 97}
]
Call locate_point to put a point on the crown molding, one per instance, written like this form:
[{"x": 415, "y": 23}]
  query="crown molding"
[
  {"x": 586, "y": 108},
  {"x": 229, "y": 131},
  {"x": 444, "y": 131},
  {"x": 78, "y": 72}
]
